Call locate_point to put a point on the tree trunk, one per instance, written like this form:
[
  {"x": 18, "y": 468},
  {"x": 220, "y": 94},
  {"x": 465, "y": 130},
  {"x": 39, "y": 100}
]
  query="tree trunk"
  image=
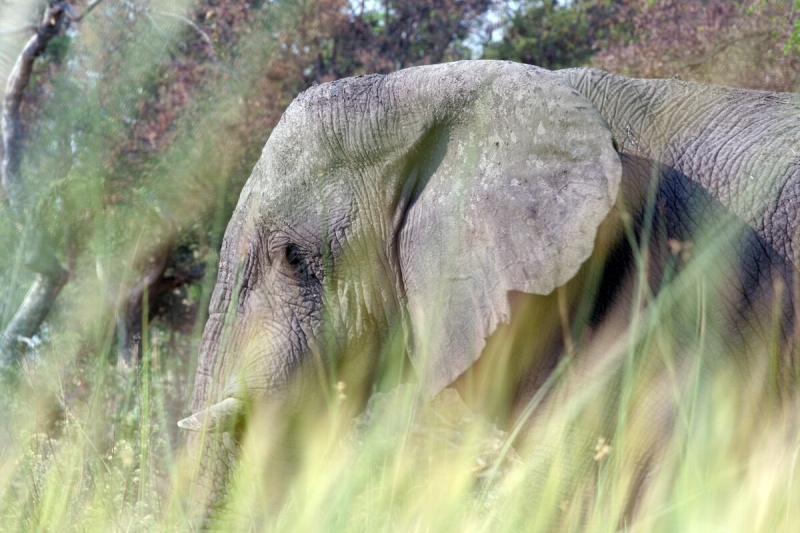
[
  {"x": 29, "y": 317},
  {"x": 39, "y": 258}
]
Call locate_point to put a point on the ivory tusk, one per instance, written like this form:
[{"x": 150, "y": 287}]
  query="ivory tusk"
[{"x": 219, "y": 417}]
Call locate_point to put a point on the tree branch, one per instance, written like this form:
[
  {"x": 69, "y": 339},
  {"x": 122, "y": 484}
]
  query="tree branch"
[
  {"x": 211, "y": 50},
  {"x": 39, "y": 256},
  {"x": 88, "y": 9},
  {"x": 130, "y": 321},
  {"x": 29, "y": 317},
  {"x": 56, "y": 18}
]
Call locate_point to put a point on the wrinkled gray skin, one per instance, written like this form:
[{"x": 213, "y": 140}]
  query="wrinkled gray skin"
[{"x": 433, "y": 199}]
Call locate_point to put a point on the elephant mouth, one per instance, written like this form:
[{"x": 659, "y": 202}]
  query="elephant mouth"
[{"x": 220, "y": 417}]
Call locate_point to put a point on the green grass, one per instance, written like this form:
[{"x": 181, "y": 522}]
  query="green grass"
[{"x": 109, "y": 461}]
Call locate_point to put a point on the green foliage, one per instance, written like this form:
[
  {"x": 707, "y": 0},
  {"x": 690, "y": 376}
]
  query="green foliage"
[
  {"x": 57, "y": 48},
  {"x": 367, "y": 37},
  {"x": 749, "y": 43},
  {"x": 793, "y": 43},
  {"x": 741, "y": 43},
  {"x": 554, "y": 34}
]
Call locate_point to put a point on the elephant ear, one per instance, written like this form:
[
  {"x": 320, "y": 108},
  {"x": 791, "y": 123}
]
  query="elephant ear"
[{"x": 511, "y": 179}]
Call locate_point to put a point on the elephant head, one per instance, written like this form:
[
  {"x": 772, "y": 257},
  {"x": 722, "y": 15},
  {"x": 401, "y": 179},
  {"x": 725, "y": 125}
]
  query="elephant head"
[
  {"x": 416, "y": 204},
  {"x": 390, "y": 200}
]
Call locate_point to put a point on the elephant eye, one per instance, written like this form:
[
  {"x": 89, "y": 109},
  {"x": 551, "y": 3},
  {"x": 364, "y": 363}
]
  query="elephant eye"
[
  {"x": 296, "y": 261},
  {"x": 293, "y": 256}
]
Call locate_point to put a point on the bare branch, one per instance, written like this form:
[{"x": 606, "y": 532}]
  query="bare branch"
[
  {"x": 29, "y": 316},
  {"x": 88, "y": 9},
  {"x": 56, "y": 18},
  {"x": 53, "y": 22},
  {"x": 132, "y": 309},
  {"x": 211, "y": 50}
]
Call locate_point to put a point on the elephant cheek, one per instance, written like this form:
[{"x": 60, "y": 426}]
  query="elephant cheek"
[
  {"x": 261, "y": 358},
  {"x": 225, "y": 356}
]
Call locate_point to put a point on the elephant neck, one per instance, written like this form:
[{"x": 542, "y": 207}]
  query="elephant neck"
[{"x": 738, "y": 146}]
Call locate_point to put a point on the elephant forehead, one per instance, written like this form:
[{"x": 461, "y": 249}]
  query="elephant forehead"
[
  {"x": 296, "y": 174},
  {"x": 363, "y": 120}
]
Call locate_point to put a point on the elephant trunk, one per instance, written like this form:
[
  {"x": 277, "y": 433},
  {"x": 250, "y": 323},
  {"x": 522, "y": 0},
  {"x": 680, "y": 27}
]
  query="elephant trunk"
[
  {"x": 212, "y": 460},
  {"x": 214, "y": 457},
  {"x": 209, "y": 348},
  {"x": 210, "y": 443}
]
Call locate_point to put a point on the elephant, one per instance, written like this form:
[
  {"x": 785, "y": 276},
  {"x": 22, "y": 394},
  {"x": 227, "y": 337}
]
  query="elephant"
[{"x": 435, "y": 206}]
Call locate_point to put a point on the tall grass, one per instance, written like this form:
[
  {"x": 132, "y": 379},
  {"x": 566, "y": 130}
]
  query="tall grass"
[{"x": 404, "y": 466}]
